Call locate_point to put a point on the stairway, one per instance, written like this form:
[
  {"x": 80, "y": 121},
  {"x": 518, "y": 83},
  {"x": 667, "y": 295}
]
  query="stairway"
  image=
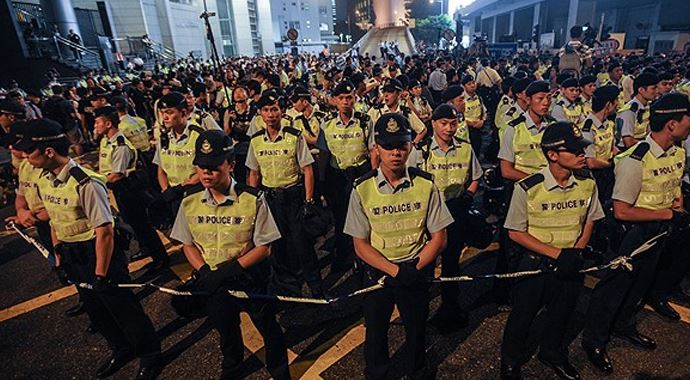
[{"x": 369, "y": 43}]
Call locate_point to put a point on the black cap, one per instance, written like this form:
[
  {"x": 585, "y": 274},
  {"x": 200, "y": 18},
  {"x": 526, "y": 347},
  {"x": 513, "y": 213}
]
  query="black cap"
[
  {"x": 377, "y": 70},
  {"x": 537, "y": 86},
  {"x": 107, "y": 111},
  {"x": 467, "y": 79},
  {"x": 173, "y": 100},
  {"x": 119, "y": 101},
  {"x": 11, "y": 107},
  {"x": 267, "y": 98},
  {"x": 444, "y": 111},
  {"x": 392, "y": 130},
  {"x": 587, "y": 79},
  {"x": 645, "y": 79},
  {"x": 521, "y": 85},
  {"x": 344, "y": 87},
  {"x": 98, "y": 94},
  {"x": 300, "y": 92},
  {"x": 452, "y": 92},
  {"x": 212, "y": 148},
  {"x": 671, "y": 104},
  {"x": 392, "y": 85},
  {"x": 570, "y": 82},
  {"x": 17, "y": 131},
  {"x": 198, "y": 88},
  {"x": 562, "y": 77},
  {"x": 564, "y": 134},
  {"x": 608, "y": 93},
  {"x": 613, "y": 64},
  {"x": 330, "y": 74},
  {"x": 39, "y": 131},
  {"x": 358, "y": 78},
  {"x": 413, "y": 83}
]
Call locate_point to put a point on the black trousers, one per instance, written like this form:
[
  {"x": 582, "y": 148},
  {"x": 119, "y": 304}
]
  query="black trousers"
[
  {"x": 529, "y": 296},
  {"x": 413, "y": 305},
  {"x": 339, "y": 187},
  {"x": 605, "y": 179},
  {"x": 293, "y": 255},
  {"x": 476, "y": 140},
  {"x": 43, "y": 230},
  {"x": 619, "y": 295},
  {"x": 133, "y": 211},
  {"x": 117, "y": 312},
  {"x": 507, "y": 259},
  {"x": 224, "y": 314},
  {"x": 450, "y": 257}
]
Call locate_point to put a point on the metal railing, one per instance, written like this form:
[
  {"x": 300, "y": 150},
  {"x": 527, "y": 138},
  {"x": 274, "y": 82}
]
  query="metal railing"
[
  {"x": 146, "y": 48},
  {"x": 58, "y": 48}
]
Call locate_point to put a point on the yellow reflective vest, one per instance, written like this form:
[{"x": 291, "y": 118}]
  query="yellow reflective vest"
[
  {"x": 176, "y": 160},
  {"x": 135, "y": 130},
  {"x": 451, "y": 173},
  {"x": 398, "y": 220},
  {"x": 603, "y": 138},
  {"x": 347, "y": 144},
  {"x": 529, "y": 157},
  {"x": 222, "y": 232},
  {"x": 277, "y": 159},
  {"x": 105, "y": 153},
  {"x": 641, "y": 128},
  {"x": 28, "y": 177}
]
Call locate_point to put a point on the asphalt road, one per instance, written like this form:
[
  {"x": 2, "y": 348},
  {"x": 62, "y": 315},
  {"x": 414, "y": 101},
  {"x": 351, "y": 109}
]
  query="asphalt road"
[{"x": 38, "y": 342}]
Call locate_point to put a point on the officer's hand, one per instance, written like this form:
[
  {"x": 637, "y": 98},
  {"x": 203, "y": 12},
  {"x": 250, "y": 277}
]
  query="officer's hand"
[
  {"x": 408, "y": 274},
  {"x": 26, "y": 218},
  {"x": 308, "y": 210},
  {"x": 210, "y": 280},
  {"x": 102, "y": 284},
  {"x": 173, "y": 193},
  {"x": 467, "y": 199},
  {"x": 42, "y": 215},
  {"x": 62, "y": 276},
  {"x": 569, "y": 263},
  {"x": 681, "y": 219}
]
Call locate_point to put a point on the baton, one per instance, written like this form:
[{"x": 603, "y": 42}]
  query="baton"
[{"x": 30, "y": 240}]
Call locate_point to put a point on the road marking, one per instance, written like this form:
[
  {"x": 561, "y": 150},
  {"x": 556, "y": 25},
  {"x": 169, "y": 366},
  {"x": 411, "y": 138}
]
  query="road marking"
[
  {"x": 35, "y": 303},
  {"x": 683, "y": 311}
]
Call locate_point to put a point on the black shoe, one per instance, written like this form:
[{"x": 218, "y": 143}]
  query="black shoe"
[
  {"x": 138, "y": 256},
  {"x": 665, "y": 310},
  {"x": 681, "y": 296},
  {"x": 563, "y": 370},
  {"x": 149, "y": 371},
  {"x": 91, "y": 328},
  {"x": 449, "y": 319},
  {"x": 112, "y": 365},
  {"x": 75, "y": 310},
  {"x": 156, "y": 266},
  {"x": 637, "y": 339},
  {"x": 510, "y": 372},
  {"x": 599, "y": 358}
]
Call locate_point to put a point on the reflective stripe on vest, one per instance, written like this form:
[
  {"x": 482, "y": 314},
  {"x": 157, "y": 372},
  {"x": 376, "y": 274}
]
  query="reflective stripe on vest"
[
  {"x": 463, "y": 133},
  {"x": 105, "y": 155},
  {"x": 134, "y": 129},
  {"x": 473, "y": 109},
  {"x": 277, "y": 160},
  {"x": 176, "y": 161},
  {"x": 603, "y": 140},
  {"x": 221, "y": 233},
  {"x": 347, "y": 145},
  {"x": 556, "y": 217},
  {"x": 398, "y": 221},
  {"x": 529, "y": 157},
  {"x": 450, "y": 172},
  {"x": 640, "y": 129},
  {"x": 66, "y": 214},
  {"x": 28, "y": 177}
]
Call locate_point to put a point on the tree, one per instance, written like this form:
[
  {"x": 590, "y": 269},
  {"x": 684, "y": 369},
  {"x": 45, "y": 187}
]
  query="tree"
[{"x": 429, "y": 29}]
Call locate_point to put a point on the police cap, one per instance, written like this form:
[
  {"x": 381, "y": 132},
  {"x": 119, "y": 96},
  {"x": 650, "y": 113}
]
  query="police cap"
[
  {"x": 106, "y": 111},
  {"x": 17, "y": 131},
  {"x": 562, "y": 77},
  {"x": 570, "y": 82},
  {"x": 212, "y": 148},
  {"x": 392, "y": 85},
  {"x": 267, "y": 98},
  {"x": 671, "y": 104},
  {"x": 645, "y": 79},
  {"x": 613, "y": 65},
  {"x": 452, "y": 92},
  {"x": 377, "y": 70},
  {"x": 467, "y": 79},
  {"x": 39, "y": 131},
  {"x": 198, "y": 88},
  {"x": 587, "y": 79},
  {"x": 173, "y": 100},
  {"x": 300, "y": 92},
  {"x": 564, "y": 134},
  {"x": 444, "y": 111},
  {"x": 414, "y": 83},
  {"x": 11, "y": 107},
  {"x": 521, "y": 85},
  {"x": 358, "y": 78},
  {"x": 536, "y": 87},
  {"x": 392, "y": 130},
  {"x": 607, "y": 93},
  {"x": 344, "y": 87}
]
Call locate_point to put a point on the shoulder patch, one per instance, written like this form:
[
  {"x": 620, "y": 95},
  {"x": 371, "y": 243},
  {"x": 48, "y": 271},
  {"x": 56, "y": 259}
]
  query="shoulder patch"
[
  {"x": 241, "y": 188},
  {"x": 588, "y": 125},
  {"x": 640, "y": 150},
  {"x": 505, "y": 100},
  {"x": 531, "y": 181},
  {"x": 287, "y": 117},
  {"x": 292, "y": 131},
  {"x": 258, "y": 133},
  {"x": 414, "y": 172},
  {"x": 121, "y": 140},
  {"x": 366, "y": 176},
  {"x": 634, "y": 106},
  {"x": 517, "y": 120},
  {"x": 511, "y": 111},
  {"x": 79, "y": 174},
  {"x": 196, "y": 129},
  {"x": 194, "y": 189},
  {"x": 549, "y": 119}
]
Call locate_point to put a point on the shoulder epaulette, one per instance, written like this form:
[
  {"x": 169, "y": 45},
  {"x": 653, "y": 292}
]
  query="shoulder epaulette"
[
  {"x": 319, "y": 115},
  {"x": 640, "y": 150},
  {"x": 582, "y": 174},
  {"x": 634, "y": 106},
  {"x": 258, "y": 133},
  {"x": 517, "y": 120},
  {"x": 292, "y": 131},
  {"x": 415, "y": 172},
  {"x": 549, "y": 118},
  {"x": 193, "y": 190},
  {"x": 378, "y": 106},
  {"x": 531, "y": 181},
  {"x": 121, "y": 141},
  {"x": 241, "y": 188},
  {"x": 366, "y": 176},
  {"x": 79, "y": 174},
  {"x": 506, "y": 100},
  {"x": 460, "y": 140},
  {"x": 196, "y": 128},
  {"x": 405, "y": 110},
  {"x": 362, "y": 116},
  {"x": 511, "y": 111},
  {"x": 560, "y": 103},
  {"x": 588, "y": 125},
  {"x": 287, "y": 117}
]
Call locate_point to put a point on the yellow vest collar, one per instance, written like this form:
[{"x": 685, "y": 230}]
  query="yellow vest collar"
[
  {"x": 550, "y": 182},
  {"x": 656, "y": 150},
  {"x": 227, "y": 200}
]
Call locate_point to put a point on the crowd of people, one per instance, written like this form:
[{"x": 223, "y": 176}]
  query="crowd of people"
[{"x": 247, "y": 164}]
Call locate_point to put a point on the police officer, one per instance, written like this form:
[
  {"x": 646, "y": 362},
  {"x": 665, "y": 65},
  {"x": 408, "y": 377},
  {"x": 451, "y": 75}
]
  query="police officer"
[
  {"x": 599, "y": 128},
  {"x": 588, "y": 84},
  {"x": 453, "y": 96},
  {"x": 646, "y": 196},
  {"x": 82, "y": 225},
  {"x": 117, "y": 162},
  {"x": 345, "y": 141},
  {"x": 306, "y": 118},
  {"x": 175, "y": 149},
  {"x": 419, "y": 102},
  {"x": 569, "y": 107},
  {"x": 226, "y": 229},
  {"x": 519, "y": 106},
  {"x": 236, "y": 123},
  {"x": 551, "y": 217},
  {"x": 456, "y": 170},
  {"x": 398, "y": 222},
  {"x": 632, "y": 120},
  {"x": 475, "y": 112},
  {"x": 132, "y": 127},
  {"x": 279, "y": 162},
  {"x": 196, "y": 97},
  {"x": 391, "y": 103}
]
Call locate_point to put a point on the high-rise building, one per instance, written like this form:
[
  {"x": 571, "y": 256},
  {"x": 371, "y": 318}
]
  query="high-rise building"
[{"x": 313, "y": 19}]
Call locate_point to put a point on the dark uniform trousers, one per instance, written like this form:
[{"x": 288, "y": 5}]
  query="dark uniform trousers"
[
  {"x": 507, "y": 258},
  {"x": 450, "y": 257},
  {"x": 43, "y": 230},
  {"x": 130, "y": 202},
  {"x": 339, "y": 185},
  {"x": 605, "y": 179},
  {"x": 531, "y": 294},
  {"x": 116, "y": 311},
  {"x": 224, "y": 314},
  {"x": 476, "y": 139},
  {"x": 618, "y": 295},
  {"x": 413, "y": 305},
  {"x": 293, "y": 254}
]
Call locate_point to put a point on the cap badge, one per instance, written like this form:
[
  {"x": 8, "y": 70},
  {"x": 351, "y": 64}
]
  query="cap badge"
[
  {"x": 206, "y": 147},
  {"x": 392, "y": 126},
  {"x": 576, "y": 131}
]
